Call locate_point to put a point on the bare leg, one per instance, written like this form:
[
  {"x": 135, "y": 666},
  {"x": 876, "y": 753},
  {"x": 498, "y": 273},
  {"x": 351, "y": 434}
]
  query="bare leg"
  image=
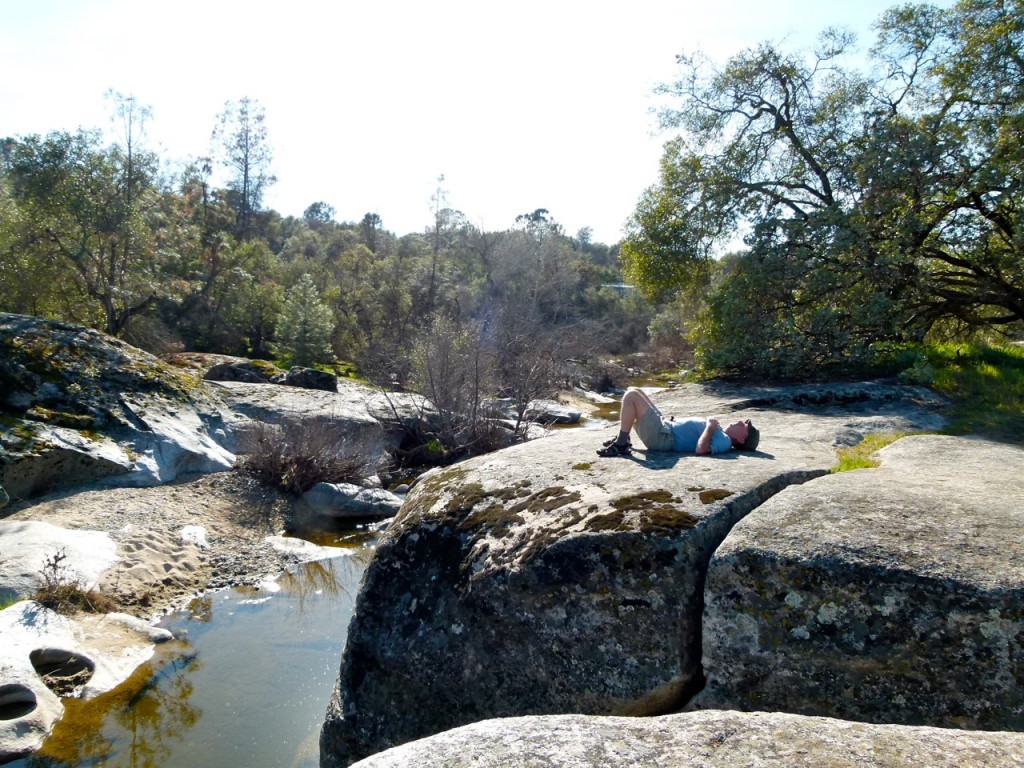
[{"x": 635, "y": 403}]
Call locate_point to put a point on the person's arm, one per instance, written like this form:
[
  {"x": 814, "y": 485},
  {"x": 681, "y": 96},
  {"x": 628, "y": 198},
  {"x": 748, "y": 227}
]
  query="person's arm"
[{"x": 704, "y": 441}]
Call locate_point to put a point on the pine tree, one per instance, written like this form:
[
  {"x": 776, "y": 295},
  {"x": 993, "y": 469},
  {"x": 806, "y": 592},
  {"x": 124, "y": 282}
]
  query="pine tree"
[{"x": 306, "y": 324}]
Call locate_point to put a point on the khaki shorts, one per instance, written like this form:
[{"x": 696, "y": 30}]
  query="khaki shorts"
[{"x": 655, "y": 431}]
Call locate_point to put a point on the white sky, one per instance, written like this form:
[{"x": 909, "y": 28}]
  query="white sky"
[{"x": 521, "y": 105}]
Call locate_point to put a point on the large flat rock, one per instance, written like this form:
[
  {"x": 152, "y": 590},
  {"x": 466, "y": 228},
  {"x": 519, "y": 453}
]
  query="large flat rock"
[
  {"x": 543, "y": 579},
  {"x": 701, "y": 740},
  {"x": 83, "y": 656},
  {"x": 78, "y": 407},
  {"x": 893, "y": 594},
  {"x": 367, "y": 419}
]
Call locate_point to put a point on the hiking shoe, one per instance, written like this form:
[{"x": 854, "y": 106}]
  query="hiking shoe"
[
  {"x": 606, "y": 443},
  {"x": 615, "y": 450}
]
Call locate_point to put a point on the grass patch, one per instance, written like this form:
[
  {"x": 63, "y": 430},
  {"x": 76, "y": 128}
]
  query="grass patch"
[
  {"x": 986, "y": 386},
  {"x": 861, "y": 456}
]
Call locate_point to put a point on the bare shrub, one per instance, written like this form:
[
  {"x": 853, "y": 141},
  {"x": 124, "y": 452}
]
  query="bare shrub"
[
  {"x": 528, "y": 360},
  {"x": 296, "y": 456},
  {"x": 452, "y": 371},
  {"x": 63, "y": 591}
]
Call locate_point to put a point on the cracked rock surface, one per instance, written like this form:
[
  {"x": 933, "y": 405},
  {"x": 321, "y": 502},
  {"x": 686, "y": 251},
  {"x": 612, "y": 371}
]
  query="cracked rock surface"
[
  {"x": 888, "y": 595},
  {"x": 543, "y": 579}
]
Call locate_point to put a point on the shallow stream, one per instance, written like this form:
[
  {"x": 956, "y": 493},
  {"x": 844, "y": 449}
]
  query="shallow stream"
[{"x": 245, "y": 683}]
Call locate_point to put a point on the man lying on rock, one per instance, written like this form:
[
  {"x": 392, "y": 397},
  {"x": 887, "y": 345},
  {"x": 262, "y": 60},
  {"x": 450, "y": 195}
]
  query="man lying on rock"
[{"x": 686, "y": 435}]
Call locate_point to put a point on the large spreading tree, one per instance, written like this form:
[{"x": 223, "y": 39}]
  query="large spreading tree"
[
  {"x": 875, "y": 209},
  {"x": 91, "y": 215}
]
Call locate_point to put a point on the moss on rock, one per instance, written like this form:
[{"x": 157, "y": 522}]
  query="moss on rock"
[{"x": 79, "y": 373}]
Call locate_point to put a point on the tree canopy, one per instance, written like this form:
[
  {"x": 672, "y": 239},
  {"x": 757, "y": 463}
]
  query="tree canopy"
[{"x": 877, "y": 208}]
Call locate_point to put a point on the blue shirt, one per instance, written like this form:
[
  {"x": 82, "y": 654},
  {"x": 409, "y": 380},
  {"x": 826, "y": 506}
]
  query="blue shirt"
[{"x": 688, "y": 431}]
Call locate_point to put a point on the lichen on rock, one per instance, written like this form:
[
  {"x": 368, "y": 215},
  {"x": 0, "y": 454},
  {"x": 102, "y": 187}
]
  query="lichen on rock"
[
  {"x": 521, "y": 583},
  {"x": 77, "y": 405},
  {"x": 885, "y": 595}
]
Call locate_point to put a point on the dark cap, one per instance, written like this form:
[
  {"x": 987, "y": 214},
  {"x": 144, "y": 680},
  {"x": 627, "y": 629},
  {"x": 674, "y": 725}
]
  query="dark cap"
[{"x": 753, "y": 438}]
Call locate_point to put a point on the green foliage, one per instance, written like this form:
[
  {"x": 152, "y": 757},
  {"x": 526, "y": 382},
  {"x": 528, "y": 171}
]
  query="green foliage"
[
  {"x": 671, "y": 235},
  {"x": 99, "y": 235},
  {"x": 306, "y": 324},
  {"x": 876, "y": 212},
  {"x": 771, "y": 316},
  {"x": 90, "y": 216},
  {"x": 920, "y": 372}
]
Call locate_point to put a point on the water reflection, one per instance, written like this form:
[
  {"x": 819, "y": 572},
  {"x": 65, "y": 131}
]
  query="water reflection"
[
  {"x": 136, "y": 724},
  {"x": 309, "y": 582},
  {"x": 359, "y": 537},
  {"x": 246, "y": 683}
]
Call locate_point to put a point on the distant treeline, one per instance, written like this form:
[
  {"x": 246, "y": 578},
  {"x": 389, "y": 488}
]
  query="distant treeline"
[{"x": 95, "y": 231}]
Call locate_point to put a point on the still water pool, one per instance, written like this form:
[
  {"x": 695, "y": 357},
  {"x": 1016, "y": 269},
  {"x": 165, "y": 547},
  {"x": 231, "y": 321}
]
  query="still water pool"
[{"x": 246, "y": 682}]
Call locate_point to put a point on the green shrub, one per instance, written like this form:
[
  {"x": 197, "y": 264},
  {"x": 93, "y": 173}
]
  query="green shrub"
[
  {"x": 921, "y": 372},
  {"x": 773, "y": 316}
]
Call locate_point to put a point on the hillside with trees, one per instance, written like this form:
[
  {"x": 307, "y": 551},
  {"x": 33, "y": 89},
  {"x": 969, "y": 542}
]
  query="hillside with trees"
[
  {"x": 813, "y": 218},
  {"x": 102, "y": 233}
]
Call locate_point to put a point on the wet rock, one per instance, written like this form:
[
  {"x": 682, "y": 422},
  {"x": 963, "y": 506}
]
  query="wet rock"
[
  {"x": 84, "y": 656},
  {"x": 302, "y": 551},
  {"x": 28, "y": 710},
  {"x": 882, "y": 595},
  {"x": 544, "y": 579},
  {"x": 347, "y": 500},
  {"x": 701, "y": 740}
]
